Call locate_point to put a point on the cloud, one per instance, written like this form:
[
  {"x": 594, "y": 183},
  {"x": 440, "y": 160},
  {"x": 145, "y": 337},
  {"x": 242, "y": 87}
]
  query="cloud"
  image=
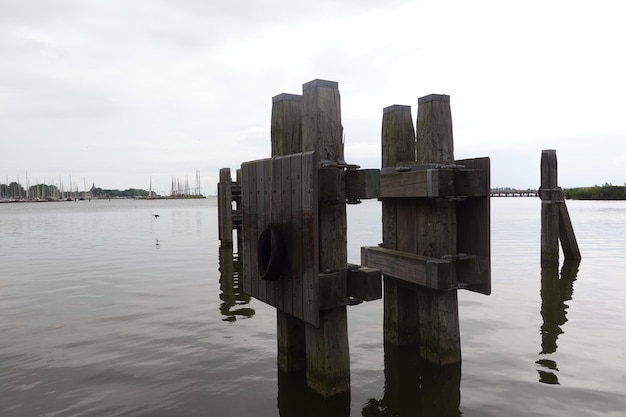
[{"x": 118, "y": 91}]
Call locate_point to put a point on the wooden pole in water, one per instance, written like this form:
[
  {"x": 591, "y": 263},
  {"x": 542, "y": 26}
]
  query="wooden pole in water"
[
  {"x": 435, "y": 222},
  {"x": 328, "y": 359},
  {"x": 224, "y": 207},
  {"x": 286, "y": 133},
  {"x": 549, "y": 207},
  {"x": 400, "y": 300},
  {"x": 555, "y": 219}
]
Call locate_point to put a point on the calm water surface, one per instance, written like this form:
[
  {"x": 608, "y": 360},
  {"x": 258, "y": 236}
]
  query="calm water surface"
[{"x": 106, "y": 310}]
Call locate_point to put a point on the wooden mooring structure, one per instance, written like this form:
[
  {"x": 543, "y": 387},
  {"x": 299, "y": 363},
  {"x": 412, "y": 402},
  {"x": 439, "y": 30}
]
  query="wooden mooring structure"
[
  {"x": 555, "y": 220},
  {"x": 229, "y": 207},
  {"x": 436, "y": 238}
]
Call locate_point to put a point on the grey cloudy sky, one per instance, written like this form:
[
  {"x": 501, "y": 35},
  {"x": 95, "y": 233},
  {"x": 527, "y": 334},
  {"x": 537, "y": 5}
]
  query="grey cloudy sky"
[{"x": 117, "y": 92}]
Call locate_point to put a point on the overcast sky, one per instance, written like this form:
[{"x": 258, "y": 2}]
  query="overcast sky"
[{"x": 117, "y": 92}]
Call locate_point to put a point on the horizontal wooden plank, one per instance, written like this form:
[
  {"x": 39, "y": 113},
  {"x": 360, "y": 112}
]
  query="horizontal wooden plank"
[
  {"x": 436, "y": 182},
  {"x": 365, "y": 283},
  {"x": 362, "y": 184},
  {"x": 426, "y": 183},
  {"x": 421, "y": 270}
]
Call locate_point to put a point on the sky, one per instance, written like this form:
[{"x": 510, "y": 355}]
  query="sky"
[{"x": 122, "y": 93}]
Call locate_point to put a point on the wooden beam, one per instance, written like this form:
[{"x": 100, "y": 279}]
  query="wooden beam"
[
  {"x": 362, "y": 184},
  {"x": 421, "y": 270},
  {"x": 364, "y": 283}
]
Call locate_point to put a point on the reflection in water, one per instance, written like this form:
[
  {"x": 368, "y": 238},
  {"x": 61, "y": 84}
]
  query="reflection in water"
[
  {"x": 295, "y": 399},
  {"x": 414, "y": 387},
  {"x": 231, "y": 272},
  {"x": 554, "y": 293}
]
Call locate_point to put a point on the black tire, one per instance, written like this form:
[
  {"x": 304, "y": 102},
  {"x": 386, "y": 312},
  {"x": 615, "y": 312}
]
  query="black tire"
[{"x": 270, "y": 254}]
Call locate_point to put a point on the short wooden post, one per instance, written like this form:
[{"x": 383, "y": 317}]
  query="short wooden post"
[
  {"x": 555, "y": 220},
  {"x": 286, "y": 133},
  {"x": 328, "y": 359},
  {"x": 400, "y": 300},
  {"x": 440, "y": 340}
]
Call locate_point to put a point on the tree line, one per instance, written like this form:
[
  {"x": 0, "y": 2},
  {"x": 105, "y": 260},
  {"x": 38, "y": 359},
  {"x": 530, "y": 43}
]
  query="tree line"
[{"x": 597, "y": 192}]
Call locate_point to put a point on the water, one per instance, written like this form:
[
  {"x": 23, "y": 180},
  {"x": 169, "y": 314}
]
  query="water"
[{"x": 106, "y": 310}]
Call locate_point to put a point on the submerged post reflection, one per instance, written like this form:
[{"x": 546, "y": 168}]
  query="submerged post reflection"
[
  {"x": 555, "y": 291},
  {"x": 414, "y": 387},
  {"x": 295, "y": 399},
  {"x": 230, "y": 286}
]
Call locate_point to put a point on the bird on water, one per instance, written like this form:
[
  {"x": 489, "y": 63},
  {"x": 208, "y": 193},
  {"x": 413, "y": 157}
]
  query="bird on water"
[{"x": 156, "y": 216}]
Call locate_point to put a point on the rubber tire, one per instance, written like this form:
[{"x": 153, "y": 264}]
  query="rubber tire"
[{"x": 270, "y": 254}]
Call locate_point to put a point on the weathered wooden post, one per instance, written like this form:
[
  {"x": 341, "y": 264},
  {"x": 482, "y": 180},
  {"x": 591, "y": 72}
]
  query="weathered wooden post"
[
  {"x": 400, "y": 299},
  {"x": 435, "y": 230},
  {"x": 328, "y": 358},
  {"x": 224, "y": 208},
  {"x": 286, "y": 133},
  {"x": 555, "y": 220},
  {"x": 294, "y": 224},
  {"x": 229, "y": 219}
]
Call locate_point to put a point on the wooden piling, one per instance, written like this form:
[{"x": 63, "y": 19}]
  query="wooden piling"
[
  {"x": 555, "y": 220},
  {"x": 416, "y": 315},
  {"x": 224, "y": 207},
  {"x": 400, "y": 300},
  {"x": 440, "y": 340},
  {"x": 286, "y": 134},
  {"x": 328, "y": 360}
]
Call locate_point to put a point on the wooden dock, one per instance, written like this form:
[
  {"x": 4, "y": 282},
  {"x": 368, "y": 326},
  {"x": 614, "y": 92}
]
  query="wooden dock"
[{"x": 506, "y": 192}]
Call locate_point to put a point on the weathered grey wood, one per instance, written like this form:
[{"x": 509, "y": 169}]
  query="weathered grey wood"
[
  {"x": 279, "y": 219},
  {"x": 398, "y": 134},
  {"x": 328, "y": 361},
  {"x": 286, "y": 134},
  {"x": 310, "y": 243},
  {"x": 225, "y": 199},
  {"x": 291, "y": 343},
  {"x": 333, "y": 289},
  {"x": 398, "y": 145},
  {"x": 362, "y": 184},
  {"x": 278, "y": 202},
  {"x": 474, "y": 227},
  {"x": 288, "y": 226},
  {"x": 549, "y": 210},
  {"x": 286, "y": 124},
  {"x": 354, "y": 285},
  {"x": 364, "y": 283},
  {"x": 440, "y": 341},
  {"x": 250, "y": 228},
  {"x": 262, "y": 221},
  {"x": 555, "y": 219},
  {"x": 421, "y": 270},
  {"x": 566, "y": 234},
  {"x": 300, "y": 264},
  {"x": 434, "y": 130},
  {"x": 428, "y": 183}
]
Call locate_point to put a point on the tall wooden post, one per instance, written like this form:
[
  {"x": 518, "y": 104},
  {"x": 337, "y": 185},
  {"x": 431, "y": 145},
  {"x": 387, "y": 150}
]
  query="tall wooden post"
[
  {"x": 416, "y": 315},
  {"x": 328, "y": 359},
  {"x": 224, "y": 207},
  {"x": 400, "y": 300},
  {"x": 286, "y": 133},
  {"x": 555, "y": 220},
  {"x": 549, "y": 210},
  {"x": 440, "y": 340}
]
